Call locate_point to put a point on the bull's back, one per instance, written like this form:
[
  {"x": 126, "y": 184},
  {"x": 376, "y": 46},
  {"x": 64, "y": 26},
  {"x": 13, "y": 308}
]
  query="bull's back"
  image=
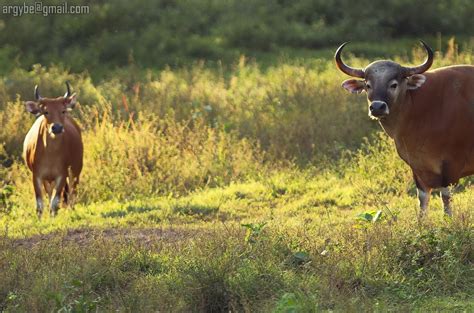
[{"x": 442, "y": 127}]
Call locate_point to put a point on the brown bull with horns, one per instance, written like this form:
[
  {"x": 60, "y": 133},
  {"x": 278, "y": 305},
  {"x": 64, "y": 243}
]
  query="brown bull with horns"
[
  {"x": 430, "y": 116},
  {"x": 53, "y": 149}
]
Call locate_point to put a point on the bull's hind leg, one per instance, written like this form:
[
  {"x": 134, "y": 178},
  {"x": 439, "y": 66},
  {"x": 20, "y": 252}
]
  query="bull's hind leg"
[
  {"x": 56, "y": 194},
  {"x": 446, "y": 196},
  {"x": 38, "y": 195}
]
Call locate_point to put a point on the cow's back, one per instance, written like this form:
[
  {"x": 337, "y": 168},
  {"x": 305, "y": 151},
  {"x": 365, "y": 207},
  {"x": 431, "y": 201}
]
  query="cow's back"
[{"x": 74, "y": 146}]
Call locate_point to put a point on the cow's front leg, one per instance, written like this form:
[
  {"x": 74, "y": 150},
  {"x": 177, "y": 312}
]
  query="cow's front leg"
[
  {"x": 446, "y": 196},
  {"x": 424, "y": 197},
  {"x": 56, "y": 194},
  {"x": 38, "y": 195}
]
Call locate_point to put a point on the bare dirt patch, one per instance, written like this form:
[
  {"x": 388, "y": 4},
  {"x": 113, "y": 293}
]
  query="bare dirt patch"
[{"x": 84, "y": 236}]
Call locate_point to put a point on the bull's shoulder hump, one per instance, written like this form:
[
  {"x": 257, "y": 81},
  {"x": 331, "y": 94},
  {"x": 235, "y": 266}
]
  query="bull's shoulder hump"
[{"x": 460, "y": 68}]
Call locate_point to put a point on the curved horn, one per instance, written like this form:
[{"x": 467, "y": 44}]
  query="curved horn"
[
  {"x": 68, "y": 92},
  {"x": 37, "y": 95},
  {"x": 423, "y": 67},
  {"x": 356, "y": 72}
]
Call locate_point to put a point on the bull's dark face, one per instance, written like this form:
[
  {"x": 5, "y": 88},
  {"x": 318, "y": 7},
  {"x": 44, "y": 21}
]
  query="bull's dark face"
[
  {"x": 385, "y": 82},
  {"x": 385, "y": 86},
  {"x": 53, "y": 110}
]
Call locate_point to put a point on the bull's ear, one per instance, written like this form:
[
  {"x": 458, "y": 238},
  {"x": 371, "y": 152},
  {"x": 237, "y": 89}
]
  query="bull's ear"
[
  {"x": 32, "y": 107},
  {"x": 70, "y": 101},
  {"x": 354, "y": 85},
  {"x": 415, "y": 81}
]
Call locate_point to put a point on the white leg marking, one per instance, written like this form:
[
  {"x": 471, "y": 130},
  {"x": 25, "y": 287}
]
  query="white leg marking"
[
  {"x": 55, "y": 202},
  {"x": 446, "y": 196},
  {"x": 39, "y": 207},
  {"x": 424, "y": 198},
  {"x": 39, "y": 204},
  {"x": 54, "y": 205}
]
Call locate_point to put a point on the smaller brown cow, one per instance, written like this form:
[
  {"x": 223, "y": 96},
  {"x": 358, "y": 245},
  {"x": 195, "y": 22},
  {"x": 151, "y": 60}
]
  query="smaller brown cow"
[{"x": 53, "y": 149}]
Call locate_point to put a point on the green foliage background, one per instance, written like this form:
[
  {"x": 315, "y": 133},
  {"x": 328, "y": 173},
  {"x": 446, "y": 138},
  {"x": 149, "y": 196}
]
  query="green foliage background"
[
  {"x": 225, "y": 168},
  {"x": 152, "y": 34}
]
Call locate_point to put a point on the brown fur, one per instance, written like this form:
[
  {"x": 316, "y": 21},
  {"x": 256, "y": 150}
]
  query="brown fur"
[
  {"x": 53, "y": 158},
  {"x": 433, "y": 127},
  {"x": 430, "y": 116}
]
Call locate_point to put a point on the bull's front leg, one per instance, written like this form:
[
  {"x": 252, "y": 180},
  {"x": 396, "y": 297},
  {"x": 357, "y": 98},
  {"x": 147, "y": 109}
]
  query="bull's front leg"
[
  {"x": 56, "y": 194},
  {"x": 446, "y": 196},
  {"x": 37, "y": 182},
  {"x": 424, "y": 198}
]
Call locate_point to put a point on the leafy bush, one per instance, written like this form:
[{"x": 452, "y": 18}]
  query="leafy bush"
[{"x": 153, "y": 34}]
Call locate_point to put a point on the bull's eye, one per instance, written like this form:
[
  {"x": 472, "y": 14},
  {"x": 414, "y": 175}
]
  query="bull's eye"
[
  {"x": 46, "y": 113},
  {"x": 394, "y": 86},
  {"x": 368, "y": 85},
  {"x": 64, "y": 112}
]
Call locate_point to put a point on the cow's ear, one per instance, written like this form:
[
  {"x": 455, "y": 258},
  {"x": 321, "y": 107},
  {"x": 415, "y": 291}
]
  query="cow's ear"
[
  {"x": 71, "y": 101},
  {"x": 32, "y": 107},
  {"x": 354, "y": 85},
  {"x": 415, "y": 81}
]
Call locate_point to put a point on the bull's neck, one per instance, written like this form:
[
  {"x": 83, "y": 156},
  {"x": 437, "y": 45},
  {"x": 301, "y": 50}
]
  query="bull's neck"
[{"x": 391, "y": 124}]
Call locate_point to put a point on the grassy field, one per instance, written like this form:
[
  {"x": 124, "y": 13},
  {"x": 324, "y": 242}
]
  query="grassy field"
[
  {"x": 235, "y": 189},
  {"x": 290, "y": 242}
]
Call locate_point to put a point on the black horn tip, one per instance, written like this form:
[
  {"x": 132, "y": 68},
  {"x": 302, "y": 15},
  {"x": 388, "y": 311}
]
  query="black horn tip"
[
  {"x": 425, "y": 45},
  {"x": 68, "y": 90},
  {"x": 37, "y": 95},
  {"x": 423, "y": 67},
  {"x": 338, "y": 51},
  {"x": 355, "y": 72}
]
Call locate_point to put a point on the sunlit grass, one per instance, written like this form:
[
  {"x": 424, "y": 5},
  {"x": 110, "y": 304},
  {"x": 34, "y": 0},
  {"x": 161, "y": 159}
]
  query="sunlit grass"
[{"x": 241, "y": 191}]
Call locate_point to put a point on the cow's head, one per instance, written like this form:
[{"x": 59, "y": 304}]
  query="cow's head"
[
  {"x": 385, "y": 82},
  {"x": 53, "y": 109}
]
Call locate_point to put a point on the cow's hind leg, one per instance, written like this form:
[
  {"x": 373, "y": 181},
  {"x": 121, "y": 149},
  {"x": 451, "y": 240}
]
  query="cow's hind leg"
[
  {"x": 38, "y": 195},
  {"x": 56, "y": 195},
  {"x": 48, "y": 187},
  {"x": 73, "y": 181},
  {"x": 446, "y": 196},
  {"x": 66, "y": 194}
]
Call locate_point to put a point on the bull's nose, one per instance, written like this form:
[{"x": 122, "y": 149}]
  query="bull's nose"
[
  {"x": 57, "y": 128},
  {"x": 378, "y": 108}
]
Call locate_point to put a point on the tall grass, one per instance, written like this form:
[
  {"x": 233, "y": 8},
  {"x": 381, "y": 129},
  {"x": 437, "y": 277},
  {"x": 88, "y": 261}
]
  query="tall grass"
[
  {"x": 172, "y": 132},
  {"x": 240, "y": 190}
]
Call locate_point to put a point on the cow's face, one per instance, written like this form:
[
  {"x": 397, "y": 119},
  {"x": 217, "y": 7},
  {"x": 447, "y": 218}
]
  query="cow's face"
[
  {"x": 385, "y": 82},
  {"x": 53, "y": 110}
]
